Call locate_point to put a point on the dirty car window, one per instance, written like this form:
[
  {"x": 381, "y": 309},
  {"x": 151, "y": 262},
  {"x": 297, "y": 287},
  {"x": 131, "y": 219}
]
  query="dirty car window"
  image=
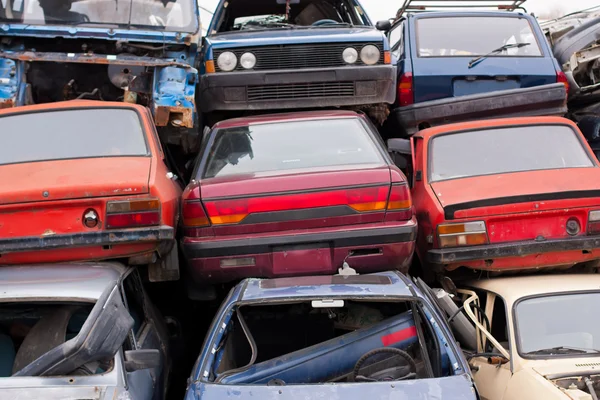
[
  {"x": 474, "y": 36},
  {"x": 175, "y": 16},
  {"x": 505, "y": 150},
  {"x": 59, "y": 135},
  {"x": 540, "y": 326},
  {"x": 290, "y": 145}
]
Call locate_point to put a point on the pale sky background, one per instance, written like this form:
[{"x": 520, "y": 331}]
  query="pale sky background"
[{"x": 383, "y": 9}]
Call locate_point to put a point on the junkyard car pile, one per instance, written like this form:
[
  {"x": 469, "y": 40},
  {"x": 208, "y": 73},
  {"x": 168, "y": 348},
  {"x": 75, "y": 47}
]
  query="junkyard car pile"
[{"x": 352, "y": 224}]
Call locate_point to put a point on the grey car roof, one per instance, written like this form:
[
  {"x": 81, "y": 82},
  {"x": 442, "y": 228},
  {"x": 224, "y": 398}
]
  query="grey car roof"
[{"x": 84, "y": 282}]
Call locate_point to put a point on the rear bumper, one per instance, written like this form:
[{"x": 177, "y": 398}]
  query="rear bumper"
[
  {"x": 545, "y": 100},
  {"x": 308, "y": 88},
  {"x": 514, "y": 249},
  {"x": 389, "y": 246},
  {"x": 100, "y": 238}
]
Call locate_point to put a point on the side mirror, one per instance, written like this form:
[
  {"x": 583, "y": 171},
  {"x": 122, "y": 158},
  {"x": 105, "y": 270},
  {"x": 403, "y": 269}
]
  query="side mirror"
[
  {"x": 136, "y": 360},
  {"x": 383, "y": 25},
  {"x": 400, "y": 146}
]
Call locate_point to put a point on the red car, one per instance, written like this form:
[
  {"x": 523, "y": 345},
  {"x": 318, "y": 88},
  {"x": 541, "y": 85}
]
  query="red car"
[
  {"x": 509, "y": 194},
  {"x": 84, "y": 180},
  {"x": 296, "y": 194}
]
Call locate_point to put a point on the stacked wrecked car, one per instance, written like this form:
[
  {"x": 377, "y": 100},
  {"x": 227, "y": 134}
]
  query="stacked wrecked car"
[{"x": 135, "y": 153}]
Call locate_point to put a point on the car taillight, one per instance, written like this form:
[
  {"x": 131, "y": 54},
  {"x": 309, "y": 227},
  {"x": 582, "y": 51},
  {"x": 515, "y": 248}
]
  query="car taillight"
[
  {"x": 399, "y": 204},
  {"x": 562, "y": 78},
  {"x": 368, "y": 199},
  {"x": 405, "y": 90},
  {"x": 132, "y": 213},
  {"x": 593, "y": 227},
  {"x": 465, "y": 234}
]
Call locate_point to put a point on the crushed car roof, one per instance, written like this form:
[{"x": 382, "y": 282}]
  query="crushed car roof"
[
  {"x": 84, "y": 282},
  {"x": 515, "y": 287},
  {"x": 371, "y": 285}
]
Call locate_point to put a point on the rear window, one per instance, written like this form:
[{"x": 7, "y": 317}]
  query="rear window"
[
  {"x": 474, "y": 36},
  {"x": 505, "y": 150},
  {"x": 290, "y": 145},
  {"x": 69, "y": 134}
]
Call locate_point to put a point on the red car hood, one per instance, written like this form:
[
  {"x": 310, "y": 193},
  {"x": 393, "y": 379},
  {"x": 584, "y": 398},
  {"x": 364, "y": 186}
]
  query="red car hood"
[
  {"x": 294, "y": 180},
  {"x": 74, "y": 179},
  {"x": 520, "y": 186}
]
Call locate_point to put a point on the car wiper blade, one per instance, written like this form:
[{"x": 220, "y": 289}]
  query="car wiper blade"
[
  {"x": 563, "y": 350},
  {"x": 478, "y": 59}
]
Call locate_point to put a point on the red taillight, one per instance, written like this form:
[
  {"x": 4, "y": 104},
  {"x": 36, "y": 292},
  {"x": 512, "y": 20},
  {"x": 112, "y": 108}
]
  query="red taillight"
[
  {"x": 367, "y": 199},
  {"x": 132, "y": 213},
  {"x": 593, "y": 227},
  {"x": 562, "y": 78},
  {"x": 193, "y": 212},
  {"x": 399, "y": 204},
  {"x": 405, "y": 90}
]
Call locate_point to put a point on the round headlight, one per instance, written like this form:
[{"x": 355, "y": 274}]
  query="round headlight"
[
  {"x": 248, "y": 60},
  {"x": 227, "y": 61},
  {"x": 370, "y": 54},
  {"x": 350, "y": 55}
]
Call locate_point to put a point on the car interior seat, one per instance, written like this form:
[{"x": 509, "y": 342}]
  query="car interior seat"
[
  {"x": 49, "y": 332},
  {"x": 7, "y": 355}
]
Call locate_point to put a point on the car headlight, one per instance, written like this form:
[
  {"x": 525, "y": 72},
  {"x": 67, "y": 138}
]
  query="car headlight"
[
  {"x": 248, "y": 60},
  {"x": 227, "y": 61},
  {"x": 350, "y": 55},
  {"x": 370, "y": 54}
]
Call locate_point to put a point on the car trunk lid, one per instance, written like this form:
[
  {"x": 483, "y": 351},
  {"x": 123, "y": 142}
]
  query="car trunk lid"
[
  {"x": 456, "y": 387},
  {"x": 521, "y": 206},
  {"x": 74, "y": 179},
  {"x": 297, "y": 199}
]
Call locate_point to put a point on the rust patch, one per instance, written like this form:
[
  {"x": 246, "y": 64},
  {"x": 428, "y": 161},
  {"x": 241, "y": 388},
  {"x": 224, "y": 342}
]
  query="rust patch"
[{"x": 163, "y": 115}]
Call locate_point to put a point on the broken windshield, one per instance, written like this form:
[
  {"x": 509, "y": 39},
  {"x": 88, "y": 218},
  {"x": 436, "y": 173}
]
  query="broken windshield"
[{"x": 166, "y": 15}]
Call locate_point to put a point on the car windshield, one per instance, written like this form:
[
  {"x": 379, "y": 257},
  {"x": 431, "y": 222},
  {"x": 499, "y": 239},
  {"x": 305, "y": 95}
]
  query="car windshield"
[
  {"x": 165, "y": 15},
  {"x": 290, "y": 145},
  {"x": 68, "y": 134},
  {"x": 271, "y": 14},
  {"x": 542, "y": 331},
  {"x": 474, "y": 36},
  {"x": 505, "y": 150}
]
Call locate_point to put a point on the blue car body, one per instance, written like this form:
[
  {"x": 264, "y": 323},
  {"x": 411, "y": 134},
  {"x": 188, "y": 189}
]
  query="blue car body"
[
  {"x": 297, "y": 66},
  {"x": 440, "y": 88},
  {"x": 321, "y": 362},
  {"x": 45, "y": 60}
]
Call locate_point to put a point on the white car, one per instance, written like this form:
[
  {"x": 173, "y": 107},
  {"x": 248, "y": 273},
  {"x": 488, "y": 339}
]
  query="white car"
[{"x": 535, "y": 337}]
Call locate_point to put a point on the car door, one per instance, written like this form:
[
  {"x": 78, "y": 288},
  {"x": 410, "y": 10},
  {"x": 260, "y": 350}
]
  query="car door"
[
  {"x": 490, "y": 365},
  {"x": 146, "y": 383}
]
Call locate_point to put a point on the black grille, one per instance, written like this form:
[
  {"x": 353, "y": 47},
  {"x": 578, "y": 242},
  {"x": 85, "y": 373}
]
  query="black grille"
[
  {"x": 296, "y": 56},
  {"x": 300, "y": 91}
]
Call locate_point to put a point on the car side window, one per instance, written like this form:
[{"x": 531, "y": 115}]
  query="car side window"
[
  {"x": 133, "y": 295},
  {"x": 396, "y": 39}
]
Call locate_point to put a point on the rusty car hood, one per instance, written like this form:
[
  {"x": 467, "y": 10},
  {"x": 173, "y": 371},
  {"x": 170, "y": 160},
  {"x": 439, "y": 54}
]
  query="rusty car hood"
[
  {"x": 74, "y": 179},
  {"x": 457, "y": 387},
  {"x": 519, "y": 187}
]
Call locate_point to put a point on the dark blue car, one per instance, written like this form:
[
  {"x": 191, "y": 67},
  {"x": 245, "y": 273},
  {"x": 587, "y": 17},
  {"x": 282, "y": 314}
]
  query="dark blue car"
[
  {"x": 462, "y": 65},
  {"x": 363, "y": 337},
  {"x": 278, "y": 54}
]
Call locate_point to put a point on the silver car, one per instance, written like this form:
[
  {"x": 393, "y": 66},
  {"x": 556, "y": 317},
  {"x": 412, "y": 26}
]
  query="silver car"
[{"x": 80, "y": 331}]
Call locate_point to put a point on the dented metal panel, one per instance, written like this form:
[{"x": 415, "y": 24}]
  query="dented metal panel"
[{"x": 174, "y": 96}]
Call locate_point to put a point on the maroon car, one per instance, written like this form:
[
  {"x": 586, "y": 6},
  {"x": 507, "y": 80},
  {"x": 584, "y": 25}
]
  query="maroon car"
[{"x": 296, "y": 194}]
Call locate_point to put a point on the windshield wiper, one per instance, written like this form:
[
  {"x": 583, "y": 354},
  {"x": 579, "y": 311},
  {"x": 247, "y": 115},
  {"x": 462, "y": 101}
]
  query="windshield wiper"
[
  {"x": 564, "y": 350},
  {"x": 478, "y": 59}
]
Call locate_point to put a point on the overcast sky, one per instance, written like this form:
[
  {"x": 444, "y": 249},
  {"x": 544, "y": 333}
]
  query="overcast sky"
[{"x": 383, "y": 9}]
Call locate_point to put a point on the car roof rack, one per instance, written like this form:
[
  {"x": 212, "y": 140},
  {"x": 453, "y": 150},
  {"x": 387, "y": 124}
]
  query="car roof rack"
[{"x": 413, "y": 6}]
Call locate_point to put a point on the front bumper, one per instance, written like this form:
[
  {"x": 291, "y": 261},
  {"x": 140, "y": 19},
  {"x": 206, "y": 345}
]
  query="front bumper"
[
  {"x": 98, "y": 238},
  {"x": 550, "y": 100},
  {"x": 307, "y": 88},
  {"x": 514, "y": 249}
]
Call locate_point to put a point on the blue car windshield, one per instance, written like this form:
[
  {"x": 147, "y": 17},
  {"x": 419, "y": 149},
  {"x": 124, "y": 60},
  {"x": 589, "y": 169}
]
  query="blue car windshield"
[{"x": 165, "y": 15}]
